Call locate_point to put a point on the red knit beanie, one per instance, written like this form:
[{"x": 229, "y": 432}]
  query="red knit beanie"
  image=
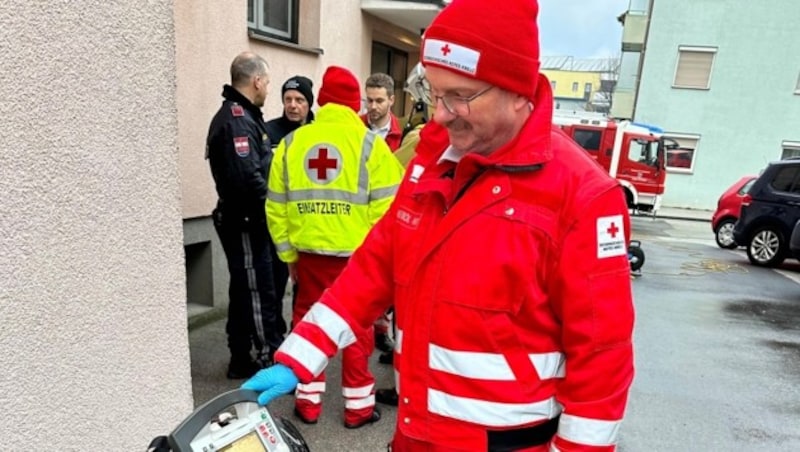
[
  {"x": 341, "y": 87},
  {"x": 497, "y": 42}
]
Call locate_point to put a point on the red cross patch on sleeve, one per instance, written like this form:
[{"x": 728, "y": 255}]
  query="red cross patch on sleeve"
[
  {"x": 237, "y": 110},
  {"x": 242, "y": 146},
  {"x": 610, "y": 237}
]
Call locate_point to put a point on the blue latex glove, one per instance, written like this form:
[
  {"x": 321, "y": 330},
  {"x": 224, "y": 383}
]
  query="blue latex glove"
[{"x": 272, "y": 382}]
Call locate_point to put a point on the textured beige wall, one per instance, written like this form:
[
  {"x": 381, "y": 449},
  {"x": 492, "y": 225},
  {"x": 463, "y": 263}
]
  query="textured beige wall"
[
  {"x": 92, "y": 299},
  {"x": 208, "y": 35}
]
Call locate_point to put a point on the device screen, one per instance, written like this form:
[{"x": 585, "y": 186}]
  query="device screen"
[{"x": 247, "y": 443}]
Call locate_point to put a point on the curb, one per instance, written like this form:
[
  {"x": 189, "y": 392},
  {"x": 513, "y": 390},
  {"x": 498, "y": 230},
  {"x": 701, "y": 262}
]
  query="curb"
[
  {"x": 676, "y": 217},
  {"x": 204, "y": 318}
]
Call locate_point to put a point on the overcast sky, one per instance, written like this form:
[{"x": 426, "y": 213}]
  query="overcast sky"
[{"x": 581, "y": 28}]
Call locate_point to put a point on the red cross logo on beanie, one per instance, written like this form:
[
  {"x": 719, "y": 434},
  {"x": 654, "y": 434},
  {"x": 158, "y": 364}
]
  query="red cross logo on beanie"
[
  {"x": 323, "y": 163},
  {"x": 446, "y": 49}
]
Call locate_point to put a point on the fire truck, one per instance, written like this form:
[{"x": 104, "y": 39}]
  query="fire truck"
[{"x": 633, "y": 153}]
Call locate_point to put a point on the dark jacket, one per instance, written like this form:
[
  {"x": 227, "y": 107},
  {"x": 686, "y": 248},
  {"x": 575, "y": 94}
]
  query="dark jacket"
[
  {"x": 278, "y": 128},
  {"x": 239, "y": 153}
]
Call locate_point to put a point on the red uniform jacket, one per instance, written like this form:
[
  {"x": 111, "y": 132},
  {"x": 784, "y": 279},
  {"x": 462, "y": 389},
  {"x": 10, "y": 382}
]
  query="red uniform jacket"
[
  {"x": 513, "y": 300},
  {"x": 395, "y": 134}
]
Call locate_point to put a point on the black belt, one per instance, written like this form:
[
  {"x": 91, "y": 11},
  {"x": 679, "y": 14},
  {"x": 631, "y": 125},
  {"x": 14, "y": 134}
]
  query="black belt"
[{"x": 521, "y": 438}]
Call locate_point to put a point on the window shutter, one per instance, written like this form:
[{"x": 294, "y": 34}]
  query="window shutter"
[{"x": 694, "y": 69}]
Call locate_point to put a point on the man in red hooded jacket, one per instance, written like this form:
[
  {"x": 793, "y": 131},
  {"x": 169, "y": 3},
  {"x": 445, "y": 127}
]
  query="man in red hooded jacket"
[{"x": 505, "y": 256}]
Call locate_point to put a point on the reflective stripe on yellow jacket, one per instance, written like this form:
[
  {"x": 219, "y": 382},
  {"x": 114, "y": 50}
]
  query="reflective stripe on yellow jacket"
[{"x": 329, "y": 182}]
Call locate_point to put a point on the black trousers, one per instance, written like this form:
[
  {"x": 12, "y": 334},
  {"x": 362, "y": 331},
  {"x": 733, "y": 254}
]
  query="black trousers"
[
  {"x": 254, "y": 311},
  {"x": 280, "y": 277}
]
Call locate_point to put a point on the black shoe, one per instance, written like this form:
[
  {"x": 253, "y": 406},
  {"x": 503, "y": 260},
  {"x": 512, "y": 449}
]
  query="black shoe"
[
  {"x": 240, "y": 369},
  {"x": 304, "y": 420},
  {"x": 384, "y": 343},
  {"x": 386, "y": 358},
  {"x": 376, "y": 416},
  {"x": 386, "y": 396}
]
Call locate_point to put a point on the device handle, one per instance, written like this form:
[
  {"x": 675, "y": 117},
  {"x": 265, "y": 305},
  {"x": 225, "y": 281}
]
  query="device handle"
[{"x": 181, "y": 437}]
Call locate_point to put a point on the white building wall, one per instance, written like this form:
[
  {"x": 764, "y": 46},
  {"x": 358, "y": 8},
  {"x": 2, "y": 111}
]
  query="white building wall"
[
  {"x": 750, "y": 107},
  {"x": 92, "y": 300}
]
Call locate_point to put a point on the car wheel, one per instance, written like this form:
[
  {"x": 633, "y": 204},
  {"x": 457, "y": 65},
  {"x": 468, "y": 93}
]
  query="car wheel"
[
  {"x": 767, "y": 247},
  {"x": 724, "y": 234}
]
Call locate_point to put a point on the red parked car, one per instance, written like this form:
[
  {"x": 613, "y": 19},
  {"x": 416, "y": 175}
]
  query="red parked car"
[{"x": 728, "y": 208}]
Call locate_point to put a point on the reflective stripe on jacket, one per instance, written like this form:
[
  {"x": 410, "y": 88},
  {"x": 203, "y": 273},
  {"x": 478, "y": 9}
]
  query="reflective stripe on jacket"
[
  {"x": 330, "y": 181},
  {"x": 513, "y": 303}
]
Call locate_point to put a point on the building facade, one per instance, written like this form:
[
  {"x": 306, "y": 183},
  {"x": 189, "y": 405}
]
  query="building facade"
[
  {"x": 295, "y": 38},
  {"x": 722, "y": 79},
  {"x": 581, "y": 84}
]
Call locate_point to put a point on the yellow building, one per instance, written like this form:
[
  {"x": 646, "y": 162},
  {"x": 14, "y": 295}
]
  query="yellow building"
[{"x": 581, "y": 84}]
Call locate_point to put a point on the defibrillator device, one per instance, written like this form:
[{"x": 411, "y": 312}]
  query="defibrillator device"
[{"x": 232, "y": 422}]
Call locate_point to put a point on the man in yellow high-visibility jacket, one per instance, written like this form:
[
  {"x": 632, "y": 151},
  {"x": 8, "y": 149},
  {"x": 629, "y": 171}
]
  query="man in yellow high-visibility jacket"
[{"x": 329, "y": 183}]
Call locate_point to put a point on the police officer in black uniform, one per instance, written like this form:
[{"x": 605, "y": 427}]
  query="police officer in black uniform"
[{"x": 239, "y": 153}]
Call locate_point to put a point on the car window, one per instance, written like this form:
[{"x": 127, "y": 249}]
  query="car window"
[
  {"x": 784, "y": 179},
  {"x": 746, "y": 187}
]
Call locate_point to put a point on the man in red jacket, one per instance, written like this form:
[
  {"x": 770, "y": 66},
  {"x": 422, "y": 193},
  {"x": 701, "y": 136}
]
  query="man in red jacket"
[
  {"x": 379, "y": 89},
  {"x": 505, "y": 256}
]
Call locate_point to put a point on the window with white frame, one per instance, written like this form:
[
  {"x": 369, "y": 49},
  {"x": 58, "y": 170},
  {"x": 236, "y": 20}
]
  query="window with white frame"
[
  {"x": 574, "y": 87},
  {"x": 790, "y": 149},
  {"x": 694, "y": 67},
  {"x": 273, "y": 18},
  {"x": 682, "y": 158}
]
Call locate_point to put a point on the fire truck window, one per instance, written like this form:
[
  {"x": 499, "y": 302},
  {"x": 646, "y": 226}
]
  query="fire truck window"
[
  {"x": 641, "y": 151},
  {"x": 588, "y": 139}
]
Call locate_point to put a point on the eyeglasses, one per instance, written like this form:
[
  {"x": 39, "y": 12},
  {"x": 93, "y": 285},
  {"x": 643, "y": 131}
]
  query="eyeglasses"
[{"x": 455, "y": 105}]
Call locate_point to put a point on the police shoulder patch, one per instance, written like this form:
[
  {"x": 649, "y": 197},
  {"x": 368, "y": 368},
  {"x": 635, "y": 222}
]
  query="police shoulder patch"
[
  {"x": 237, "y": 110},
  {"x": 242, "y": 146}
]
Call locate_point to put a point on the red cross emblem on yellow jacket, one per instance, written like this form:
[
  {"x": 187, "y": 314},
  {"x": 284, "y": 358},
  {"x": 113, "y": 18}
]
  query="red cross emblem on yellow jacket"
[{"x": 323, "y": 163}]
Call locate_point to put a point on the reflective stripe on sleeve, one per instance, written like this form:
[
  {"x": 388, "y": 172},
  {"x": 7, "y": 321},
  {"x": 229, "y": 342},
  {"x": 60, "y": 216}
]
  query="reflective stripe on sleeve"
[
  {"x": 283, "y": 246},
  {"x": 491, "y": 414},
  {"x": 491, "y": 366},
  {"x": 306, "y": 353},
  {"x": 332, "y": 324},
  {"x": 276, "y": 197},
  {"x": 592, "y": 432}
]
